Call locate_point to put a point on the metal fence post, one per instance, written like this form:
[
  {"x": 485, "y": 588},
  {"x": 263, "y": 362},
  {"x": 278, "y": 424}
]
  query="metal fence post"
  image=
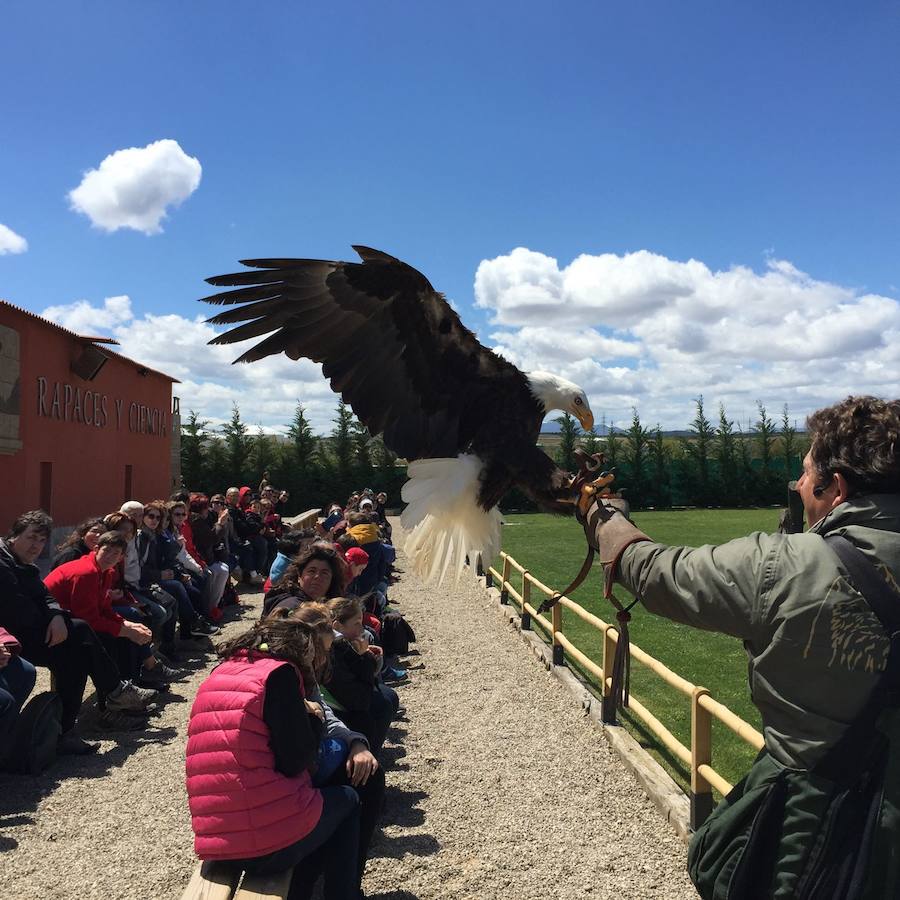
[
  {"x": 701, "y": 755},
  {"x": 608, "y": 704},
  {"x": 526, "y": 598},
  {"x": 504, "y": 588},
  {"x": 558, "y": 653}
]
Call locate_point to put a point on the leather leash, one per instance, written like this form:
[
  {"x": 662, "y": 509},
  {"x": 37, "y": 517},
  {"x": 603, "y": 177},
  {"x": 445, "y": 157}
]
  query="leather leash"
[{"x": 620, "y": 687}]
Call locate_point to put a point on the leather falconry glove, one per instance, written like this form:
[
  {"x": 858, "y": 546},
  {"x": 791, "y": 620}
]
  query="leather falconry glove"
[{"x": 607, "y": 529}]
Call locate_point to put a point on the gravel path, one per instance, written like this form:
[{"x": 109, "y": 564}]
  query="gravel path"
[{"x": 498, "y": 787}]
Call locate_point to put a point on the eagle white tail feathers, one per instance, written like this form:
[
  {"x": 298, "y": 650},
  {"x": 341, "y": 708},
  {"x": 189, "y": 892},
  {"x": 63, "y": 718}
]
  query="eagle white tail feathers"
[{"x": 443, "y": 520}]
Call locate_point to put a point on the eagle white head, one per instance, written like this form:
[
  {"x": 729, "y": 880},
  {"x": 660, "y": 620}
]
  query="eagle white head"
[{"x": 554, "y": 392}]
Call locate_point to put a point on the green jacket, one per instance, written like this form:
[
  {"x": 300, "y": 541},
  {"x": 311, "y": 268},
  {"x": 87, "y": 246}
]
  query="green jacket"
[{"x": 815, "y": 648}]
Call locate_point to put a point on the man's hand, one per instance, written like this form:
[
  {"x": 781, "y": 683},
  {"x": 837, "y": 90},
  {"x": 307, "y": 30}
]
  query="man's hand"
[
  {"x": 375, "y": 650},
  {"x": 57, "y": 631},
  {"x": 115, "y": 594},
  {"x": 5, "y": 656},
  {"x": 360, "y": 764},
  {"x": 136, "y": 633}
]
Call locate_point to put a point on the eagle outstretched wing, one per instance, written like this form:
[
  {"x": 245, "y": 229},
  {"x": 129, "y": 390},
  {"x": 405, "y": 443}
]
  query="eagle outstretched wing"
[{"x": 389, "y": 343}]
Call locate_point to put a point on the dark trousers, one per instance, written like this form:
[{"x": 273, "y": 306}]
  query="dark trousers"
[
  {"x": 186, "y": 612},
  {"x": 323, "y": 850},
  {"x": 375, "y": 721},
  {"x": 162, "y": 615},
  {"x": 128, "y": 656},
  {"x": 371, "y": 800},
  {"x": 80, "y": 655}
]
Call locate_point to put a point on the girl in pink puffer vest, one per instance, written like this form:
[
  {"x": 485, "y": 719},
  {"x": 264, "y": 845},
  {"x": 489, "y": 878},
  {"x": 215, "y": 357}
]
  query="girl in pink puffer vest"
[{"x": 252, "y": 742}]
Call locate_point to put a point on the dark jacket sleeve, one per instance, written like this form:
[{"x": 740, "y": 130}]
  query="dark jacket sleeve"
[
  {"x": 150, "y": 567},
  {"x": 76, "y": 551},
  {"x": 203, "y": 538},
  {"x": 240, "y": 523},
  {"x": 27, "y": 604},
  {"x": 352, "y": 676},
  {"x": 291, "y": 736}
]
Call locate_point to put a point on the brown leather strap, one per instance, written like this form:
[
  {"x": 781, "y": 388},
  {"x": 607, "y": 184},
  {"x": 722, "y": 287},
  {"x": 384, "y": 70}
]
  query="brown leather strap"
[{"x": 550, "y": 602}]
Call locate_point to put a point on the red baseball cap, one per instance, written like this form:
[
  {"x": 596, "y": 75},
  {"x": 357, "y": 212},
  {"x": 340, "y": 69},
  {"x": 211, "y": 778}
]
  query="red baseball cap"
[{"x": 356, "y": 556}]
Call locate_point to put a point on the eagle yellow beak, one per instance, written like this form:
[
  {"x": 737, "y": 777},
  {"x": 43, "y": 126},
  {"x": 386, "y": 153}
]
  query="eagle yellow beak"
[{"x": 586, "y": 417}]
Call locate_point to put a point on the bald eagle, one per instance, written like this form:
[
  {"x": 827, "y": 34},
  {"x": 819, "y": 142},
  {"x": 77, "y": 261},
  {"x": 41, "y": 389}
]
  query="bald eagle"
[{"x": 465, "y": 418}]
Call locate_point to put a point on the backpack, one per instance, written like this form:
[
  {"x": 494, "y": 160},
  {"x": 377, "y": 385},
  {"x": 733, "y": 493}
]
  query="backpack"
[
  {"x": 396, "y": 634},
  {"x": 32, "y": 747},
  {"x": 830, "y": 832}
]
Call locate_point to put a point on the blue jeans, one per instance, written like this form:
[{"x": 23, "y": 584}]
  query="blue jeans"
[
  {"x": 186, "y": 611},
  {"x": 332, "y": 841},
  {"x": 16, "y": 683}
]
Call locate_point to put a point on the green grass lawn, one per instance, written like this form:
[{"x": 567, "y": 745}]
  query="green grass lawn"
[{"x": 552, "y": 549}]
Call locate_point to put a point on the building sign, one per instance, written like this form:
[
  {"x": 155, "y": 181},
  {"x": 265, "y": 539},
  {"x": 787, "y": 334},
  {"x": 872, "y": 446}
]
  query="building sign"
[{"x": 62, "y": 401}]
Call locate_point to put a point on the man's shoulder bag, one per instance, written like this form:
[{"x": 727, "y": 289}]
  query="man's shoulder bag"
[
  {"x": 32, "y": 745},
  {"x": 830, "y": 833}
]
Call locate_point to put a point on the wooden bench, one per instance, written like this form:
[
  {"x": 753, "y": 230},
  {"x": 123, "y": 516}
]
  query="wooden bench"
[
  {"x": 306, "y": 519},
  {"x": 220, "y": 881}
]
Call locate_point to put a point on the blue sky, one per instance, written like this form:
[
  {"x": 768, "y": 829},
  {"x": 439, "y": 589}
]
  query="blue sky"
[{"x": 745, "y": 137}]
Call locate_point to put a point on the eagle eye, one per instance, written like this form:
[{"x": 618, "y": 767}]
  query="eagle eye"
[{"x": 578, "y": 401}]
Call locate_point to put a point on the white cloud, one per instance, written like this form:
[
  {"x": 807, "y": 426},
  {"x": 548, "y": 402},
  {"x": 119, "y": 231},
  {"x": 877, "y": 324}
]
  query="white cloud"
[
  {"x": 132, "y": 188},
  {"x": 641, "y": 329},
  {"x": 736, "y": 336},
  {"x": 10, "y": 242},
  {"x": 266, "y": 392},
  {"x": 83, "y": 318}
]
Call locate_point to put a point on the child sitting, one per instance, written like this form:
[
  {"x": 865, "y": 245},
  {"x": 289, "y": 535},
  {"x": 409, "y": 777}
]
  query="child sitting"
[
  {"x": 366, "y": 705},
  {"x": 252, "y": 741}
]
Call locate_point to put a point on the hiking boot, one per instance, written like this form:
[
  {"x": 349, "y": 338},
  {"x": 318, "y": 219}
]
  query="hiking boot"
[
  {"x": 163, "y": 672},
  {"x": 128, "y": 697},
  {"x": 203, "y": 628},
  {"x": 112, "y": 720},
  {"x": 69, "y": 744}
]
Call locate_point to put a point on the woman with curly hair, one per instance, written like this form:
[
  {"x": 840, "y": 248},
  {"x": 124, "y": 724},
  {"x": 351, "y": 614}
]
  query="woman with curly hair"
[
  {"x": 253, "y": 742},
  {"x": 80, "y": 542},
  {"x": 317, "y": 574}
]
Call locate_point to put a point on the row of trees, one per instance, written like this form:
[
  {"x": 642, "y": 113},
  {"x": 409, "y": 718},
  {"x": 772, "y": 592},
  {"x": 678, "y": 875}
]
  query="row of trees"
[
  {"x": 313, "y": 469},
  {"x": 715, "y": 464}
]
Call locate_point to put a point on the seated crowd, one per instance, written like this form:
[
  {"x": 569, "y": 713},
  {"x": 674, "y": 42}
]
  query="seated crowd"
[{"x": 129, "y": 593}]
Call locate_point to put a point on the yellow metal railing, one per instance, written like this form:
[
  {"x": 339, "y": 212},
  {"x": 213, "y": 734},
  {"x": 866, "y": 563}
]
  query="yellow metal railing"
[{"x": 698, "y": 757}]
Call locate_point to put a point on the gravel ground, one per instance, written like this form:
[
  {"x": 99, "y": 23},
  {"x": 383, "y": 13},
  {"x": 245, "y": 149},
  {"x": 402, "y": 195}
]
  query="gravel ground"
[{"x": 498, "y": 787}]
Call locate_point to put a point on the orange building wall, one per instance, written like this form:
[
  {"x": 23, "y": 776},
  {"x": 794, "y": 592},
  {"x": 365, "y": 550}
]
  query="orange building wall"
[{"x": 74, "y": 452}]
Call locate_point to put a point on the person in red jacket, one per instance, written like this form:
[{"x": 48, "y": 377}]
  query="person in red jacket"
[{"x": 83, "y": 588}]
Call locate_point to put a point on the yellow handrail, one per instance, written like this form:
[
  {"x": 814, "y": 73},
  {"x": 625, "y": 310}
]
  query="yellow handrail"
[{"x": 704, "y": 708}]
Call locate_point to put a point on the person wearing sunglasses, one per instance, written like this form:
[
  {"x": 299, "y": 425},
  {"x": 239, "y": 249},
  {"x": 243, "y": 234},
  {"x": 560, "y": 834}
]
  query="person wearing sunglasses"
[{"x": 157, "y": 568}]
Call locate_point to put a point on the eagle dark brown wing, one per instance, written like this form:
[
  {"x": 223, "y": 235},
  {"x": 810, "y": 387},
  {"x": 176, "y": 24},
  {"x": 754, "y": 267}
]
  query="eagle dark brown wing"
[{"x": 389, "y": 343}]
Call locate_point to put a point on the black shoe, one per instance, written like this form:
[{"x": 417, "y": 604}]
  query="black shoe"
[
  {"x": 201, "y": 628},
  {"x": 109, "y": 720},
  {"x": 69, "y": 744}
]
